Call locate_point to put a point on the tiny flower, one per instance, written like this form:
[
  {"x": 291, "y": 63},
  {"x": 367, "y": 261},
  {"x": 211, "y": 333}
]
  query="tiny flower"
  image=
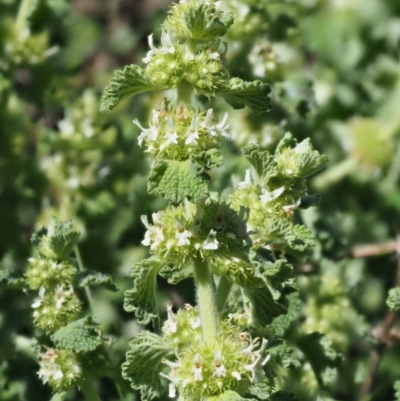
[
  {"x": 211, "y": 243},
  {"x": 192, "y": 134},
  {"x": 182, "y": 235},
  {"x": 270, "y": 196},
  {"x": 154, "y": 235},
  {"x": 151, "y": 133},
  {"x": 38, "y": 301},
  {"x": 171, "y": 135},
  {"x": 60, "y": 296},
  {"x": 236, "y": 375},
  {"x": 197, "y": 369},
  {"x": 215, "y": 130},
  {"x": 166, "y": 47},
  {"x": 170, "y": 325},
  {"x": 219, "y": 368},
  {"x": 289, "y": 209},
  {"x": 247, "y": 180}
]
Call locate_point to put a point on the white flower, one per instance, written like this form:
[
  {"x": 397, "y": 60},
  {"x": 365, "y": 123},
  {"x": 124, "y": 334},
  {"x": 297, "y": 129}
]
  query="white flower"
[
  {"x": 219, "y": 368},
  {"x": 197, "y": 369},
  {"x": 38, "y": 301},
  {"x": 150, "y": 133},
  {"x": 192, "y": 134},
  {"x": 170, "y": 325},
  {"x": 66, "y": 127},
  {"x": 61, "y": 295},
  {"x": 166, "y": 47},
  {"x": 171, "y": 135},
  {"x": 215, "y": 130},
  {"x": 236, "y": 375},
  {"x": 247, "y": 180},
  {"x": 87, "y": 127},
  {"x": 211, "y": 242},
  {"x": 269, "y": 196},
  {"x": 289, "y": 209},
  {"x": 154, "y": 235}
]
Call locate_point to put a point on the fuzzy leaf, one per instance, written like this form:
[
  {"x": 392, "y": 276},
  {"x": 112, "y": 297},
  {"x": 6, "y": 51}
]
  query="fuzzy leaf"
[
  {"x": 174, "y": 275},
  {"x": 393, "y": 300},
  {"x": 208, "y": 159},
  {"x": 282, "y": 354},
  {"x": 323, "y": 358},
  {"x": 397, "y": 389},
  {"x": 205, "y": 23},
  {"x": 141, "y": 299},
  {"x": 263, "y": 162},
  {"x": 7, "y": 281},
  {"x": 91, "y": 278},
  {"x": 261, "y": 390},
  {"x": 83, "y": 335},
  {"x": 265, "y": 307},
  {"x": 238, "y": 93},
  {"x": 309, "y": 160},
  {"x": 144, "y": 364},
  {"x": 283, "y": 396},
  {"x": 127, "y": 82},
  {"x": 177, "y": 180},
  {"x": 282, "y": 323},
  {"x": 229, "y": 396}
]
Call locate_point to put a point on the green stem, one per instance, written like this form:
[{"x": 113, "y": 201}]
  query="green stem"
[
  {"x": 82, "y": 269},
  {"x": 185, "y": 91},
  {"x": 22, "y": 16},
  {"x": 334, "y": 174},
  {"x": 223, "y": 290},
  {"x": 88, "y": 390},
  {"x": 206, "y": 300}
]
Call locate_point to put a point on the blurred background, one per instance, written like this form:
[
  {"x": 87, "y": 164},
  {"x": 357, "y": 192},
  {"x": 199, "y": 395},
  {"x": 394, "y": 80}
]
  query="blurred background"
[{"x": 334, "y": 69}]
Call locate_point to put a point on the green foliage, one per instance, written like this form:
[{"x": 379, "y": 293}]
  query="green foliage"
[
  {"x": 83, "y": 335},
  {"x": 238, "y": 93},
  {"x": 230, "y": 396},
  {"x": 141, "y": 299},
  {"x": 128, "y": 82},
  {"x": 90, "y": 278},
  {"x": 144, "y": 363},
  {"x": 177, "y": 180},
  {"x": 8, "y": 281},
  {"x": 393, "y": 300}
]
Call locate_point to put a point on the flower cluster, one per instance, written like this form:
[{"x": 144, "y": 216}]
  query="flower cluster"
[
  {"x": 59, "y": 368},
  {"x": 233, "y": 362},
  {"x": 178, "y": 233},
  {"x": 53, "y": 272},
  {"x": 176, "y": 135}
]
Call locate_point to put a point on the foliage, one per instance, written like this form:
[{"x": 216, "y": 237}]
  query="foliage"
[{"x": 236, "y": 107}]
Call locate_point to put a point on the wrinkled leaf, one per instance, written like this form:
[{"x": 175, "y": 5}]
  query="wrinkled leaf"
[
  {"x": 393, "y": 300},
  {"x": 91, "y": 278},
  {"x": 144, "y": 364}
]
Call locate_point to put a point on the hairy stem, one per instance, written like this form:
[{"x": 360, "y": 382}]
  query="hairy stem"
[
  {"x": 82, "y": 269},
  {"x": 206, "y": 300},
  {"x": 223, "y": 290},
  {"x": 185, "y": 91},
  {"x": 89, "y": 391}
]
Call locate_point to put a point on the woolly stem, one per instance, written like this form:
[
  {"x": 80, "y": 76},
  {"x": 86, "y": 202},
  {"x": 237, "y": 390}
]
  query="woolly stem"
[
  {"x": 223, "y": 290},
  {"x": 206, "y": 300},
  {"x": 89, "y": 390}
]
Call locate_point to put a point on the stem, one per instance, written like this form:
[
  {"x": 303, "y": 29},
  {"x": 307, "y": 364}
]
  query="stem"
[
  {"x": 89, "y": 391},
  {"x": 223, "y": 290},
  {"x": 22, "y": 15},
  {"x": 82, "y": 269},
  {"x": 185, "y": 90},
  {"x": 335, "y": 174},
  {"x": 206, "y": 300}
]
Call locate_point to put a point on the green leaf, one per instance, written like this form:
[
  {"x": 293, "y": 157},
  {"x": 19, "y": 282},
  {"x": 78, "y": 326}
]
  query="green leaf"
[
  {"x": 261, "y": 390},
  {"x": 8, "y": 281},
  {"x": 127, "y": 82},
  {"x": 176, "y": 274},
  {"x": 59, "y": 239},
  {"x": 238, "y": 93},
  {"x": 83, "y": 335},
  {"x": 229, "y": 396},
  {"x": 282, "y": 323},
  {"x": 177, "y": 180},
  {"x": 205, "y": 23},
  {"x": 282, "y": 354},
  {"x": 283, "y": 396},
  {"x": 208, "y": 159},
  {"x": 265, "y": 307},
  {"x": 144, "y": 364},
  {"x": 263, "y": 162},
  {"x": 323, "y": 359},
  {"x": 307, "y": 201},
  {"x": 141, "y": 299},
  {"x": 90, "y": 278},
  {"x": 59, "y": 396},
  {"x": 393, "y": 300}
]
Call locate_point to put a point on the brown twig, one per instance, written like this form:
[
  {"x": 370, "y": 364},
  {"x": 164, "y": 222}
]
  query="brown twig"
[
  {"x": 365, "y": 251},
  {"x": 384, "y": 337}
]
